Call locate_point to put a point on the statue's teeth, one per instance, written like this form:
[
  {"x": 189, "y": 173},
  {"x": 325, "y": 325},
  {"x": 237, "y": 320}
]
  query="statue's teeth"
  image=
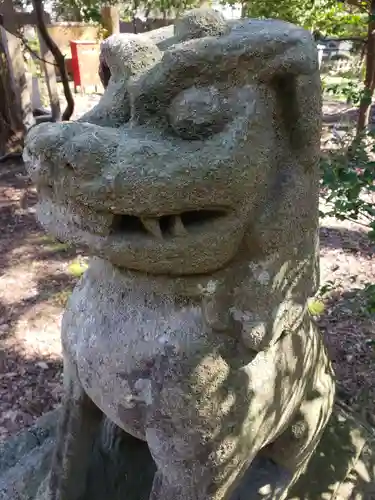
[
  {"x": 152, "y": 225},
  {"x": 177, "y": 227}
]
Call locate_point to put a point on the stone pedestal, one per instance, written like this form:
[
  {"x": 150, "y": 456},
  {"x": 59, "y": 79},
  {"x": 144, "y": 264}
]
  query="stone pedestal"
[{"x": 343, "y": 467}]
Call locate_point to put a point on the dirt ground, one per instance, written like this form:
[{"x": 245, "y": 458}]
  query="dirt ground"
[{"x": 35, "y": 281}]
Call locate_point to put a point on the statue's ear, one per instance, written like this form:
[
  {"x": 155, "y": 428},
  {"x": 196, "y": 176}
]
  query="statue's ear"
[
  {"x": 121, "y": 57},
  {"x": 253, "y": 50},
  {"x": 264, "y": 47},
  {"x": 126, "y": 55}
]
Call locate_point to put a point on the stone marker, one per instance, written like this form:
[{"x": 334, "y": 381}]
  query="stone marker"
[{"x": 194, "y": 184}]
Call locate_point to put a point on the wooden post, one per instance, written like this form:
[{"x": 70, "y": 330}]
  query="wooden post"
[
  {"x": 12, "y": 21},
  {"x": 50, "y": 75},
  {"x": 36, "y": 100},
  {"x": 110, "y": 19},
  {"x": 364, "y": 115}
]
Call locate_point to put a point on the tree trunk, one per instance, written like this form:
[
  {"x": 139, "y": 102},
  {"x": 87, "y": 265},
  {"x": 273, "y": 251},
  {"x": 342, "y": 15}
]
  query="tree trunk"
[
  {"x": 244, "y": 9},
  {"x": 134, "y": 23},
  {"x": 135, "y": 6},
  {"x": 364, "y": 116},
  {"x": 11, "y": 124}
]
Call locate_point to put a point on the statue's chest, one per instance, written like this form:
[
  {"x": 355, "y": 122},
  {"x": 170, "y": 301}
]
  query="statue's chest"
[{"x": 117, "y": 340}]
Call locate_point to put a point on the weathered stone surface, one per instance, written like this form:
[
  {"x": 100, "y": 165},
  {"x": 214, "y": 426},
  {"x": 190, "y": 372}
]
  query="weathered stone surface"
[
  {"x": 26, "y": 458},
  {"x": 194, "y": 184},
  {"x": 342, "y": 468}
]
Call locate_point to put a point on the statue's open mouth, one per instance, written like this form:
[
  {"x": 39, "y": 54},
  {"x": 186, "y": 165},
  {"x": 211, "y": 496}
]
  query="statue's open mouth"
[
  {"x": 167, "y": 226},
  {"x": 144, "y": 229},
  {"x": 177, "y": 243}
]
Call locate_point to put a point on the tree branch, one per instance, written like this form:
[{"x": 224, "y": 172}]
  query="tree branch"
[
  {"x": 29, "y": 49},
  {"x": 59, "y": 58}
]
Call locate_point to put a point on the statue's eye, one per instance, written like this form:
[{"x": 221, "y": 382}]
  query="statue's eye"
[{"x": 197, "y": 113}]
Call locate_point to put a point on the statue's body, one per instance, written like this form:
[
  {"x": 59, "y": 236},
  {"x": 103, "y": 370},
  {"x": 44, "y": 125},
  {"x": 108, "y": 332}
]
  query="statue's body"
[{"x": 194, "y": 183}]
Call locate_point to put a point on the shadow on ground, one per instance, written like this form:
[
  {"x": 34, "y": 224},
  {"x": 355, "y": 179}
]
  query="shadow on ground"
[
  {"x": 18, "y": 226},
  {"x": 345, "y": 113},
  {"x": 34, "y": 287},
  {"x": 33, "y": 266},
  {"x": 35, "y": 381},
  {"x": 349, "y": 331},
  {"x": 347, "y": 240}
]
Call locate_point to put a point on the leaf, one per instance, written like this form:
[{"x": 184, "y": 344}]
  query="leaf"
[
  {"x": 77, "y": 268},
  {"x": 316, "y": 307}
]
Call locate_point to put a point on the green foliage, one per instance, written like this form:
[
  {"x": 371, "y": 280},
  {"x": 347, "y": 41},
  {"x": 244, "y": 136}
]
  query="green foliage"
[
  {"x": 289, "y": 10},
  {"x": 352, "y": 91},
  {"x": 333, "y": 18},
  {"x": 348, "y": 182},
  {"x": 89, "y": 10},
  {"x": 164, "y": 8},
  {"x": 348, "y": 188},
  {"x": 79, "y": 10},
  {"x": 328, "y": 17}
]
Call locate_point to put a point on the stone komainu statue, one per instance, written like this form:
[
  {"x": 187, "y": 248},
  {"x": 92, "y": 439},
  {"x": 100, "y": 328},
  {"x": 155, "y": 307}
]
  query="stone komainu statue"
[{"x": 194, "y": 184}]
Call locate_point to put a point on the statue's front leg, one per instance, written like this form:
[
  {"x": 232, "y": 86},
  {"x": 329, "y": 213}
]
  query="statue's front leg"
[
  {"x": 78, "y": 428},
  {"x": 194, "y": 430},
  {"x": 206, "y": 476},
  {"x": 291, "y": 452}
]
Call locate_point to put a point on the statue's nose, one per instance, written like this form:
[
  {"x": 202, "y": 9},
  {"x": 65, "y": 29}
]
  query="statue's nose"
[
  {"x": 41, "y": 148},
  {"x": 56, "y": 151}
]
